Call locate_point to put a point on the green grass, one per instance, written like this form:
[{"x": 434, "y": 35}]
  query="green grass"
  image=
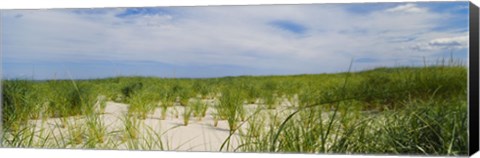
[
  {"x": 199, "y": 108},
  {"x": 419, "y": 111},
  {"x": 231, "y": 107},
  {"x": 18, "y": 97},
  {"x": 163, "y": 114},
  {"x": 187, "y": 113},
  {"x": 131, "y": 130},
  {"x": 401, "y": 110},
  {"x": 97, "y": 131}
]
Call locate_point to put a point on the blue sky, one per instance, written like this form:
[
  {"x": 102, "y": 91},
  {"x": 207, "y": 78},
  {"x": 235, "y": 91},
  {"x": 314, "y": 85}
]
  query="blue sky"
[{"x": 229, "y": 40}]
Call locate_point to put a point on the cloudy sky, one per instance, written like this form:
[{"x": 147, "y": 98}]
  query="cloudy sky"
[{"x": 229, "y": 40}]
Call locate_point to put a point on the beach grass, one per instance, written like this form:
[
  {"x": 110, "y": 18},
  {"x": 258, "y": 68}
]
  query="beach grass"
[{"x": 396, "y": 110}]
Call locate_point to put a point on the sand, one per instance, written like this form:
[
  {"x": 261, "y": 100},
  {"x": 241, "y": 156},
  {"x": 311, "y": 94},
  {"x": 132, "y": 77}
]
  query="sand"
[{"x": 198, "y": 135}]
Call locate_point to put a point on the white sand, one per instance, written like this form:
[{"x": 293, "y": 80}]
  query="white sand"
[{"x": 198, "y": 135}]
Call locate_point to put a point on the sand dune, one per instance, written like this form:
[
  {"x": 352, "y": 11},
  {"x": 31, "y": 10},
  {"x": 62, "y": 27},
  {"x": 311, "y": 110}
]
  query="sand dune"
[{"x": 198, "y": 135}]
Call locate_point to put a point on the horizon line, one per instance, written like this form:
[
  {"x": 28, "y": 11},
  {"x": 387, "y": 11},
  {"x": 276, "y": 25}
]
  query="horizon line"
[{"x": 31, "y": 78}]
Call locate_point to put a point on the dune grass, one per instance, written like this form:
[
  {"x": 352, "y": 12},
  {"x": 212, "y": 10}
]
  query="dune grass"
[{"x": 401, "y": 110}]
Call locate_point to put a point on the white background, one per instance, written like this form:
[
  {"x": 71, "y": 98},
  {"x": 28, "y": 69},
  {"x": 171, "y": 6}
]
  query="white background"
[{"x": 53, "y": 153}]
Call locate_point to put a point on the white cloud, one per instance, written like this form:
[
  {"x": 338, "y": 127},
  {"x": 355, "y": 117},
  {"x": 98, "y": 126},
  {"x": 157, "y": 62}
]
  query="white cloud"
[
  {"x": 229, "y": 35},
  {"x": 460, "y": 41},
  {"x": 407, "y": 8},
  {"x": 447, "y": 43}
]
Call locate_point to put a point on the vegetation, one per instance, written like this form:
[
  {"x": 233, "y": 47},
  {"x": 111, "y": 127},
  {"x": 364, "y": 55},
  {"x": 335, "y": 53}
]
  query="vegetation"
[{"x": 402, "y": 110}]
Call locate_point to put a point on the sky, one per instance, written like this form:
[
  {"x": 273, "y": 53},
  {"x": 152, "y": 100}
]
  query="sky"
[{"x": 216, "y": 41}]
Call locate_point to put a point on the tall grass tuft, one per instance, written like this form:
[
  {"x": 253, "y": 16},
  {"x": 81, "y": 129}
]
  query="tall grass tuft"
[
  {"x": 18, "y": 97},
  {"x": 199, "y": 107},
  {"x": 230, "y": 107},
  {"x": 187, "y": 113}
]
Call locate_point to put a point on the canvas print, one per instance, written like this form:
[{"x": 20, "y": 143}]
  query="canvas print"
[{"x": 359, "y": 78}]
